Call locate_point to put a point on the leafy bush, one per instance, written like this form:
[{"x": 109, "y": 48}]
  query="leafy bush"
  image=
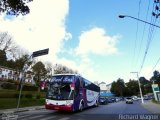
[
  {"x": 7, "y": 85},
  {"x": 29, "y": 88},
  {"x": 38, "y": 96},
  {"x": 10, "y": 80},
  {"x": 6, "y": 95},
  {"x": 28, "y": 96},
  {"x": 17, "y": 95},
  {"x": 154, "y": 101}
]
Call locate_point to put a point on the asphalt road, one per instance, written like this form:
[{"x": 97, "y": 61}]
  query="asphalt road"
[{"x": 112, "y": 111}]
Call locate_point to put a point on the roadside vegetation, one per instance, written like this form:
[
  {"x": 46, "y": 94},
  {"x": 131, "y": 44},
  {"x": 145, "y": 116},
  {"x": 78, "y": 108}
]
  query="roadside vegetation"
[
  {"x": 131, "y": 88},
  {"x": 157, "y": 102},
  {"x": 9, "y": 94}
]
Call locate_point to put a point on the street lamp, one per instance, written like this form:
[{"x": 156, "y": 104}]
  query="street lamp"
[
  {"x": 123, "y": 16},
  {"x": 139, "y": 86}
]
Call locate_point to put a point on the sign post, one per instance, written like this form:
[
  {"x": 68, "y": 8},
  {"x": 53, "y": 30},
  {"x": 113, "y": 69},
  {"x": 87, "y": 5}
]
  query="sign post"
[
  {"x": 156, "y": 91},
  {"x": 25, "y": 68}
]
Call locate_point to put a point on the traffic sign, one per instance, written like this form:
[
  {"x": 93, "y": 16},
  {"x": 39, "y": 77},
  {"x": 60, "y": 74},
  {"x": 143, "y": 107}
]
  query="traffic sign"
[{"x": 40, "y": 52}]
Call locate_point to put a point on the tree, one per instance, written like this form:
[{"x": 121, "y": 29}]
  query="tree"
[
  {"x": 39, "y": 71},
  {"x": 143, "y": 80},
  {"x": 156, "y": 73},
  {"x": 156, "y": 77},
  {"x": 60, "y": 69},
  {"x": 7, "y": 43},
  {"x": 3, "y": 58},
  {"x": 19, "y": 63},
  {"x": 113, "y": 87},
  {"x": 49, "y": 68},
  {"x": 133, "y": 87},
  {"x": 11, "y": 64},
  {"x": 146, "y": 84},
  {"x": 118, "y": 87},
  {"x": 14, "y": 7}
]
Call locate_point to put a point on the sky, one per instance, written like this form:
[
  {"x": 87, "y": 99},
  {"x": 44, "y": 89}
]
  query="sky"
[{"x": 88, "y": 36}]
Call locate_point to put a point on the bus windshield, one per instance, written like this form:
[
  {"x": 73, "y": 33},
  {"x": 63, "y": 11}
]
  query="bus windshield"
[{"x": 59, "y": 88}]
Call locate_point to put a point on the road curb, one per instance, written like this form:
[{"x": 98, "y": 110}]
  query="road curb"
[
  {"x": 144, "y": 106},
  {"x": 151, "y": 107},
  {"x": 21, "y": 109}
]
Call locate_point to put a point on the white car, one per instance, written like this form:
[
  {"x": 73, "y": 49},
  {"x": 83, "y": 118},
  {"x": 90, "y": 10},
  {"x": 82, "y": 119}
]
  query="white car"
[
  {"x": 129, "y": 100},
  {"x": 135, "y": 98}
]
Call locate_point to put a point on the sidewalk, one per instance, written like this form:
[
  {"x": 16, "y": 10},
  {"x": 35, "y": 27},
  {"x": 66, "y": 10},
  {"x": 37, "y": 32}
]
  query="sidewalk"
[
  {"x": 151, "y": 107},
  {"x": 14, "y": 110}
]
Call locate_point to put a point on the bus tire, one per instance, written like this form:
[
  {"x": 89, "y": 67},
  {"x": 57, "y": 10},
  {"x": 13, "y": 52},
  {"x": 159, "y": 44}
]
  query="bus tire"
[{"x": 96, "y": 104}]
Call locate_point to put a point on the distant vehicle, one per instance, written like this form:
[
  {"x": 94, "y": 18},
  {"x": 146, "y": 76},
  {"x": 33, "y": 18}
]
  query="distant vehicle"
[
  {"x": 118, "y": 99},
  {"x": 113, "y": 99},
  {"x": 71, "y": 92},
  {"x": 129, "y": 100},
  {"x": 109, "y": 100},
  {"x": 139, "y": 98},
  {"x": 151, "y": 97},
  {"x": 103, "y": 100},
  {"x": 135, "y": 98},
  {"x": 146, "y": 97}
]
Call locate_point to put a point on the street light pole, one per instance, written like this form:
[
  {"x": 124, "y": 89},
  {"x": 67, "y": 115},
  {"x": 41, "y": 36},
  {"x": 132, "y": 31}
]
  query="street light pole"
[
  {"x": 123, "y": 16},
  {"x": 139, "y": 86}
]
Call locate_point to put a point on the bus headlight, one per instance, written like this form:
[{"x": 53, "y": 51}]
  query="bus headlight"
[
  {"x": 47, "y": 102},
  {"x": 68, "y": 102}
]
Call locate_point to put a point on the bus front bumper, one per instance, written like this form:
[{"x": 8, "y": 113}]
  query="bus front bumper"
[{"x": 59, "y": 107}]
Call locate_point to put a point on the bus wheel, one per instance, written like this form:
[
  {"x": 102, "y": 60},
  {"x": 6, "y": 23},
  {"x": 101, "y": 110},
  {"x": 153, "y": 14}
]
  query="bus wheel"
[{"x": 96, "y": 104}]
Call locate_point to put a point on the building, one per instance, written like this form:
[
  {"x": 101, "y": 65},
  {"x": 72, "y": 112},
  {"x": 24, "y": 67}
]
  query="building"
[
  {"x": 8, "y": 73},
  {"x": 108, "y": 87},
  {"x": 103, "y": 87}
]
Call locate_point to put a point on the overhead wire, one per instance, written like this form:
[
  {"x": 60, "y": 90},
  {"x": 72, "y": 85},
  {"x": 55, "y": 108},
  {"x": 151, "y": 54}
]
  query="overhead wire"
[
  {"x": 135, "y": 43},
  {"x": 150, "y": 38},
  {"x": 144, "y": 29},
  {"x": 159, "y": 57}
]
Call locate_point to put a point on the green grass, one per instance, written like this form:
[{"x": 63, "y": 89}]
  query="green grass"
[
  {"x": 8, "y": 99},
  {"x": 11, "y": 93},
  {"x": 157, "y": 102},
  {"x": 6, "y": 103}
]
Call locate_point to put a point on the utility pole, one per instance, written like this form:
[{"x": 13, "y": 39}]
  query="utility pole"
[
  {"x": 25, "y": 68},
  {"x": 139, "y": 86}
]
